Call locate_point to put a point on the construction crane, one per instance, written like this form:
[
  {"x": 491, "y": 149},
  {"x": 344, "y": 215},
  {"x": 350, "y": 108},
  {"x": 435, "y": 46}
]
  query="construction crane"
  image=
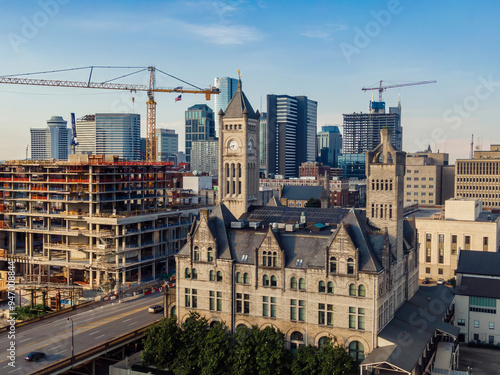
[
  {"x": 108, "y": 85},
  {"x": 383, "y": 88},
  {"x": 74, "y": 141}
]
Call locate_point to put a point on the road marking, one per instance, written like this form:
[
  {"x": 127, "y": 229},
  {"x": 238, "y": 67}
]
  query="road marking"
[
  {"x": 5, "y": 366},
  {"x": 25, "y": 340},
  {"x": 132, "y": 323},
  {"x": 60, "y": 351},
  {"x": 19, "y": 368},
  {"x": 93, "y": 333},
  {"x": 55, "y": 347},
  {"x": 126, "y": 320},
  {"x": 99, "y": 336}
]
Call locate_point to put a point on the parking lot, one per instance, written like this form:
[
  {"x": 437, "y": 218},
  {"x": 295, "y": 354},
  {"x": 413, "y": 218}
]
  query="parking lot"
[{"x": 481, "y": 361}]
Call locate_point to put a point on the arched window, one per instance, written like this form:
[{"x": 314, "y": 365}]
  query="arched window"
[
  {"x": 275, "y": 259},
  {"x": 211, "y": 275},
  {"x": 321, "y": 287},
  {"x": 333, "y": 265},
  {"x": 196, "y": 253},
  {"x": 352, "y": 290},
  {"x": 350, "y": 266},
  {"x": 329, "y": 288},
  {"x": 173, "y": 311},
  {"x": 274, "y": 281},
  {"x": 264, "y": 258},
  {"x": 323, "y": 340},
  {"x": 296, "y": 341},
  {"x": 265, "y": 280},
  {"x": 293, "y": 283},
  {"x": 269, "y": 259},
  {"x": 210, "y": 255},
  {"x": 357, "y": 351},
  {"x": 187, "y": 273},
  {"x": 239, "y": 278},
  {"x": 219, "y": 276},
  {"x": 246, "y": 278},
  {"x": 302, "y": 284},
  {"x": 361, "y": 291},
  {"x": 195, "y": 274}
]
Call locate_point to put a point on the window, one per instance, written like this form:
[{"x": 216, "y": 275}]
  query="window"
[
  {"x": 302, "y": 284},
  {"x": 296, "y": 341},
  {"x": 210, "y": 255},
  {"x": 321, "y": 287},
  {"x": 357, "y": 351},
  {"x": 440, "y": 271},
  {"x": 219, "y": 276},
  {"x": 491, "y": 339},
  {"x": 265, "y": 280},
  {"x": 467, "y": 243},
  {"x": 269, "y": 306},
  {"x": 427, "y": 270},
  {"x": 441, "y": 249},
  {"x": 352, "y": 290},
  {"x": 300, "y": 307},
  {"x": 333, "y": 264},
  {"x": 242, "y": 303},
  {"x": 195, "y": 274},
  {"x": 275, "y": 259},
  {"x": 293, "y": 309},
  {"x": 428, "y": 240},
  {"x": 302, "y": 310},
  {"x": 325, "y": 314},
  {"x": 293, "y": 283},
  {"x": 187, "y": 297},
  {"x": 453, "y": 244},
  {"x": 274, "y": 282},
  {"x": 329, "y": 289},
  {"x": 476, "y": 323},
  {"x": 322, "y": 341},
  {"x": 461, "y": 322},
  {"x": 485, "y": 243},
  {"x": 212, "y": 300},
  {"x": 196, "y": 253},
  {"x": 264, "y": 258},
  {"x": 219, "y": 301},
  {"x": 246, "y": 278},
  {"x": 239, "y": 278},
  {"x": 211, "y": 275},
  {"x": 361, "y": 291},
  {"x": 350, "y": 266},
  {"x": 358, "y": 318},
  {"x": 492, "y": 325},
  {"x": 187, "y": 273}
]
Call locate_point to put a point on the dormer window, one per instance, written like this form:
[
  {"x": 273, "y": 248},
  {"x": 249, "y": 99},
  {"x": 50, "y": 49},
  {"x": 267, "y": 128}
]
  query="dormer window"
[
  {"x": 350, "y": 266},
  {"x": 210, "y": 255}
]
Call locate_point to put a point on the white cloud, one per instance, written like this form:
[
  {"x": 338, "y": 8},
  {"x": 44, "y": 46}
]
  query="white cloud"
[{"x": 219, "y": 34}]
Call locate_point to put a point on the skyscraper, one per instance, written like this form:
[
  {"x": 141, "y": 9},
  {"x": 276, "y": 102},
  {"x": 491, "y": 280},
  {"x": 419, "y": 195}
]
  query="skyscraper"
[
  {"x": 167, "y": 142},
  {"x": 200, "y": 126},
  {"x": 110, "y": 134},
  {"x": 204, "y": 156},
  {"x": 329, "y": 142},
  {"x": 291, "y": 133},
  {"x": 227, "y": 87},
  {"x": 52, "y": 142},
  {"x": 263, "y": 143}
]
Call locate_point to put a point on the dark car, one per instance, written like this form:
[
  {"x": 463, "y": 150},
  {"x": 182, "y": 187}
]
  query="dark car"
[
  {"x": 155, "y": 309},
  {"x": 427, "y": 280},
  {"x": 34, "y": 356}
]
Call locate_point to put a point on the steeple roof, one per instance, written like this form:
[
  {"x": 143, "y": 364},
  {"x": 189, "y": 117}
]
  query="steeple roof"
[{"x": 239, "y": 105}]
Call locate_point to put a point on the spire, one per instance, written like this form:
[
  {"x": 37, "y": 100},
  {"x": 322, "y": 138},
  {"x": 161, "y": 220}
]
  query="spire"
[
  {"x": 239, "y": 105},
  {"x": 399, "y": 99}
]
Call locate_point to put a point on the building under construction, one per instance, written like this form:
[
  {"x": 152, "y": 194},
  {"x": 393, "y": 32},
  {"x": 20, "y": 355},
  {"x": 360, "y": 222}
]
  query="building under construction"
[{"x": 91, "y": 220}]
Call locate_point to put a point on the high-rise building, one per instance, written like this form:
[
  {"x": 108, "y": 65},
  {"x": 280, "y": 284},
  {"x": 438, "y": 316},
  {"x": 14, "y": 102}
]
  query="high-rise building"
[
  {"x": 291, "y": 133},
  {"x": 110, "y": 134},
  {"x": 167, "y": 142},
  {"x": 52, "y": 142},
  {"x": 200, "y": 126},
  {"x": 227, "y": 87},
  {"x": 362, "y": 133},
  {"x": 204, "y": 156},
  {"x": 329, "y": 142},
  {"x": 263, "y": 143}
]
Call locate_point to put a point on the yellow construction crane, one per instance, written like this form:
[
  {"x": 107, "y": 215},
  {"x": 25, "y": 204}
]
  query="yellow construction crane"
[{"x": 151, "y": 89}]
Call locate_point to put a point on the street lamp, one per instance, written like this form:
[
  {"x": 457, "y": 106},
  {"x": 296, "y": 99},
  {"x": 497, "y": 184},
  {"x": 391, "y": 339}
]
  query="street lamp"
[{"x": 72, "y": 341}]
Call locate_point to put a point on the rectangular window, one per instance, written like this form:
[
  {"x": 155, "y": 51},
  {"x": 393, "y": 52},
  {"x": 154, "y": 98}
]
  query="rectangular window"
[
  {"x": 428, "y": 240},
  {"x": 485, "y": 243},
  {"x": 265, "y": 306},
  {"x": 187, "y": 297},
  {"x": 427, "y": 270},
  {"x": 321, "y": 313},
  {"x": 440, "y": 271},
  {"x": 431, "y": 178},
  {"x": 239, "y": 303},
  {"x": 453, "y": 244},
  {"x": 194, "y": 298},
  {"x": 361, "y": 318},
  {"x": 461, "y": 322},
  {"x": 491, "y": 339},
  {"x": 441, "y": 249},
  {"x": 293, "y": 309},
  {"x": 212, "y": 300},
  {"x": 467, "y": 243},
  {"x": 476, "y": 323},
  {"x": 246, "y": 304},
  {"x": 219, "y": 301},
  {"x": 492, "y": 325},
  {"x": 352, "y": 317},
  {"x": 273, "y": 307}
]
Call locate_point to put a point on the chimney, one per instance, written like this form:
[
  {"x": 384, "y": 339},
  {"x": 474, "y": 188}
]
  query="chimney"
[{"x": 386, "y": 135}]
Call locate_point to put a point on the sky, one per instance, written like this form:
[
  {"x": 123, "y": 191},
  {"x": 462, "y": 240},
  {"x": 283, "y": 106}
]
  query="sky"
[{"x": 326, "y": 50}]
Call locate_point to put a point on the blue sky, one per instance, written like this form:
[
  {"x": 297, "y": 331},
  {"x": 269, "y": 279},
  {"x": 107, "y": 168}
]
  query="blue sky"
[{"x": 327, "y": 50}]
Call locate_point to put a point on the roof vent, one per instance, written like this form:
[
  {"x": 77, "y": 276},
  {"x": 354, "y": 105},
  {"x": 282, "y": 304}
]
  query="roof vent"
[
  {"x": 290, "y": 228},
  {"x": 274, "y": 227},
  {"x": 237, "y": 224},
  {"x": 254, "y": 224},
  {"x": 302, "y": 219}
]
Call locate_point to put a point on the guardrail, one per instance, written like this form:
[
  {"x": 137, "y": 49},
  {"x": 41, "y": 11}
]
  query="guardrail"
[{"x": 66, "y": 364}]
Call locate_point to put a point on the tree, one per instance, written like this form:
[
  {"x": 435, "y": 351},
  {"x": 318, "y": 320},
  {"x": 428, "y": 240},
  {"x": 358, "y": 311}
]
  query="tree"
[
  {"x": 271, "y": 354},
  {"x": 216, "y": 354},
  {"x": 306, "y": 361},
  {"x": 313, "y": 202},
  {"x": 161, "y": 343},
  {"x": 334, "y": 359},
  {"x": 243, "y": 355}
]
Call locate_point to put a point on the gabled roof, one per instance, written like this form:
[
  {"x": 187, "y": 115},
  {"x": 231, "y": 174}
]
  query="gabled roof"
[
  {"x": 479, "y": 287},
  {"x": 274, "y": 202},
  {"x": 239, "y": 105},
  {"x": 221, "y": 219},
  {"x": 301, "y": 192},
  {"x": 479, "y": 263}
]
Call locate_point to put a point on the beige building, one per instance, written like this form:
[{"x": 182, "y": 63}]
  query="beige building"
[
  {"x": 479, "y": 178},
  {"x": 429, "y": 179},
  {"x": 441, "y": 234}
]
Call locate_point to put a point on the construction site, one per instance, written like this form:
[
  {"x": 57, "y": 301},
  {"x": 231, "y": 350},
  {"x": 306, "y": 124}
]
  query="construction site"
[{"x": 92, "y": 221}]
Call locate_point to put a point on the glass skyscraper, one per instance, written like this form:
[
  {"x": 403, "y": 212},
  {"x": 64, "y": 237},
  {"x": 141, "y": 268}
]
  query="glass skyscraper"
[
  {"x": 200, "y": 126},
  {"x": 167, "y": 143},
  {"x": 52, "y": 142},
  {"x": 227, "y": 87},
  {"x": 329, "y": 145}
]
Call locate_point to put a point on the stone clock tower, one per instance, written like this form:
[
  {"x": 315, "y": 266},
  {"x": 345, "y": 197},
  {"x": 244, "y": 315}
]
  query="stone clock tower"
[{"x": 238, "y": 154}]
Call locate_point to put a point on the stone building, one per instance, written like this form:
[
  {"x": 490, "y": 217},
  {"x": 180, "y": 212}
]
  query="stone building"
[{"x": 310, "y": 272}]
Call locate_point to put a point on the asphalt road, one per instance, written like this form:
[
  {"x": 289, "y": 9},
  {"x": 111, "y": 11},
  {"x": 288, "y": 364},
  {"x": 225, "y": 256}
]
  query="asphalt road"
[{"x": 91, "y": 327}]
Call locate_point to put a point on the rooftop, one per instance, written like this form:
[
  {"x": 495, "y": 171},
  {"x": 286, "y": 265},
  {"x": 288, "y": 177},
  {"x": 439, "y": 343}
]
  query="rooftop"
[{"x": 479, "y": 263}]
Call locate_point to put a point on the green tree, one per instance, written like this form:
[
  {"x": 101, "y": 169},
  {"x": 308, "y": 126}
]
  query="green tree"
[
  {"x": 306, "y": 361},
  {"x": 215, "y": 355},
  {"x": 191, "y": 343},
  {"x": 161, "y": 342},
  {"x": 334, "y": 359},
  {"x": 243, "y": 354},
  {"x": 271, "y": 354},
  {"x": 313, "y": 202}
]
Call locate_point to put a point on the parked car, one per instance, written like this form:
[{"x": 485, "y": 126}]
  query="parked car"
[
  {"x": 427, "y": 280},
  {"x": 441, "y": 282},
  {"x": 155, "y": 309},
  {"x": 35, "y": 356}
]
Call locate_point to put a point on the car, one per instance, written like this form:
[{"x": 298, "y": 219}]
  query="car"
[
  {"x": 427, "y": 280},
  {"x": 441, "y": 282},
  {"x": 35, "y": 356},
  {"x": 155, "y": 309}
]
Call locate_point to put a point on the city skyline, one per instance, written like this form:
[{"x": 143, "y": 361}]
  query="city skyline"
[{"x": 331, "y": 52}]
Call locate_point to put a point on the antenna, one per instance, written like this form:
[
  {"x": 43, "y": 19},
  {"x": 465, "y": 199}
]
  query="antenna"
[{"x": 471, "y": 154}]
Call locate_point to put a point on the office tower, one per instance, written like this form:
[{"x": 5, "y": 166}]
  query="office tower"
[
  {"x": 291, "y": 133},
  {"x": 227, "y": 87},
  {"x": 167, "y": 143},
  {"x": 200, "y": 126},
  {"x": 263, "y": 143},
  {"x": 362, "y": 133},
  {"x": 110, "y": 134},
  {"x": 52, "y": 142},
  {"x": 329, "y": 142},
  {"x": 204, "y": 156}
]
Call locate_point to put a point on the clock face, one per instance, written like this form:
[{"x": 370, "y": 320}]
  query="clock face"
[
  {"x": 250, "y": 146},
  {"x": 233, "y": 145}
]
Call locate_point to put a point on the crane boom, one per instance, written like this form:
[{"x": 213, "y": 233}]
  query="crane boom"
[
  {"x": 151, "y": 104},
  {"x": 382, "y": 88}
]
